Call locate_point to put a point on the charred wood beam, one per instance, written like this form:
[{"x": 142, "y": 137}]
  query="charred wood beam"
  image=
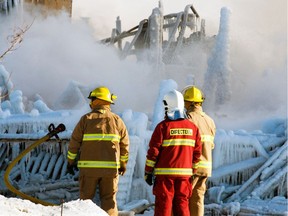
[
  {"x": 134, "y": 30},
  {"x": 194, "y": 11},
  {"x": 130, "y": 32}
]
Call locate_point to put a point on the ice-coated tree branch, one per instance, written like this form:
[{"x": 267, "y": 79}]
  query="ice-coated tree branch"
[{"x": 15, "y": 39}]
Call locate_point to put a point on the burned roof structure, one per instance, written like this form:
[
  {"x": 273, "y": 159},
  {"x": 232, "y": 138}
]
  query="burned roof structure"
[{"x": 162, "y": 36}]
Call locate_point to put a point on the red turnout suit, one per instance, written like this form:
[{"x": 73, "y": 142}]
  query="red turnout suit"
[{"x": 174, "y": 148}]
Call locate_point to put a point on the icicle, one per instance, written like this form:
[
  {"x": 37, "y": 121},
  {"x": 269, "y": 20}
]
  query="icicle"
[
  {"x": 51, "y": 165},
  {"x": 24, "y": 174},
  {"x": 15, "y": 173},
  {"x": 3, "y": 150},
  {"x": 37, "y": 163},
  {"x": 234, "y": 148},
  {"x": 44, "y": 163},
  {"x": 30, "y": 161},
  {"x": 232, "y": 169},
  {"x": 57, "y": 167},
  {"x": 64, "y": 169}
]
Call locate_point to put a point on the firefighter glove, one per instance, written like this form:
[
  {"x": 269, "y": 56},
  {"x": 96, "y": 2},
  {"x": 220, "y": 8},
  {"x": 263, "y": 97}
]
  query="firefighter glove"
[
  {"x": 71, "y": 168},
  {"x": 148, "y": 178},
  {"x": 122, "y": 168}
]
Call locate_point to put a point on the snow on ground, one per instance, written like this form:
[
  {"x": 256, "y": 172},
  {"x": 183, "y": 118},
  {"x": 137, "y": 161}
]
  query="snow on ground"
[{"x": 19, "y": 207}]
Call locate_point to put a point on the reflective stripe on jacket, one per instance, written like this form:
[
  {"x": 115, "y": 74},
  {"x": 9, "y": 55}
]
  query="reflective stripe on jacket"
[
  {"x": 102, "y": 141},
  {"x": 173, "y": 149},
  {"x": 207, "y": 130}
]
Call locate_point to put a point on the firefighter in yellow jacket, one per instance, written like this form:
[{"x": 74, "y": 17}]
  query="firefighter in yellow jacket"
[
  {"x": 193, "y": 99},
  {"x": 101, "y": 140}
]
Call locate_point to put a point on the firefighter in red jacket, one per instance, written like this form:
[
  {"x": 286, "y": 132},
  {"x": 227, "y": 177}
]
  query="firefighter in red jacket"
[
  {"x": 101, "y": 139},
  {"x": 174, "y": 148},
  {"x": 193, "y": 98}
]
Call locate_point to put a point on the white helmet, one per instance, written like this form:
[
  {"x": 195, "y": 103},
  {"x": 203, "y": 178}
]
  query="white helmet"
[{"x": 174, "y": 105}]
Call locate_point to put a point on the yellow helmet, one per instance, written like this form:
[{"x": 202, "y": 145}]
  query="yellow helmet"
[
  {"x": 193, "y": 94},
  {"x": 102, "y": 93}
]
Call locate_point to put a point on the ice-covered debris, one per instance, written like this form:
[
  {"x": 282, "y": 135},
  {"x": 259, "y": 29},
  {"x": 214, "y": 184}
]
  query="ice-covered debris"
[
  {"x": 276, "y": 206},
  {"x": 16, "y": 100},
  {"x": 137, "y": 206},
  {"x": 241, "y": 194},
  {"x": 74, "y": 97},
  {"x": 135, "y": 122},
  {"x": 158, "y": 113},
  {"x": 156, "y": 22},
  {"x": 41, "y": 106},
  {"x": 237, "y": 147},
  {"x": 34, "y": 113},
  {"x": 6, "y": 85},
  {"x": 4, "y": 113},
  {"x": 232, "y": 208},
  {"x": 134, "y": 204},
  {"x": 275, "y": 126},
  {"x": 216, "y": 83}
]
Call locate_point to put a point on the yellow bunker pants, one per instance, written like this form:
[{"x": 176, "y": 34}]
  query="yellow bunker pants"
[
  {"x": 196, "y": 202},
  {"x": 108, "y": 187}
]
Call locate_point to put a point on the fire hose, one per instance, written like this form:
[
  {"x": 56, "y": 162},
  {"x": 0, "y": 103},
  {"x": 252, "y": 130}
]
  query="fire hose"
[{"x": 52, "y": 132}]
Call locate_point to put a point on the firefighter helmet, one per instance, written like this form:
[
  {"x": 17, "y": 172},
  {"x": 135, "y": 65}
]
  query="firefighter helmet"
[
  {"x": 102, "y": 93},
  {"x": 193, "y": 94},
  {"x": 174, "y": 105}
]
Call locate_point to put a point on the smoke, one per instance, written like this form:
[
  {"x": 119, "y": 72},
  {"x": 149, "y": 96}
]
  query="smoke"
[
  {"x": 56, "y": 51},
  {"x": 258, "y": 62}
]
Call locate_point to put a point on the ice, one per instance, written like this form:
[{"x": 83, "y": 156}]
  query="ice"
[
  {"x": 72, "y": 97},
  {"x": 261, "y": 207},
  {"x": 217, "y": 77},
  {"x": 247, "y": 184},
  {"x": 156, "y": 21},
  {"x": 158, "y": 113},
  {"x": 5, "y": 81},
  {"x": 41, "y": 106},
  {"x": 17, "y": 106}
]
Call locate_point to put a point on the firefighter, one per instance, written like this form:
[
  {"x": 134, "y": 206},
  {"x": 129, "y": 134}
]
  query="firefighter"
[
  {"x": 101, "y": 140},
  {"x": 193, "y": 99},
  {"x": 174, "y": 147}
]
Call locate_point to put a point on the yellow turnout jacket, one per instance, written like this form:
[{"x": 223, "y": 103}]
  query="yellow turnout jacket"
[
  {"x": 102, "y": 141},
  {"x": 207, "y": 130}
]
